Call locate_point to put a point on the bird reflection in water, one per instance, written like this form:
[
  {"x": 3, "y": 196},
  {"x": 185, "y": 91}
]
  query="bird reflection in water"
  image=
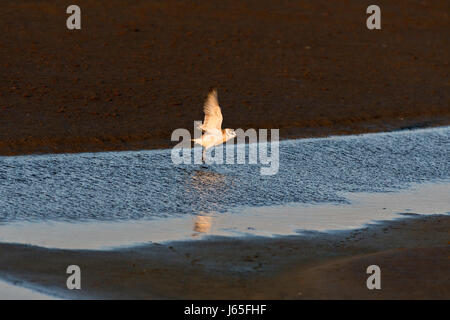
[
  {"x": 206, "y": 185},
  {"x": 202, "y": 224},
  {"x": 207, "y": 180}
]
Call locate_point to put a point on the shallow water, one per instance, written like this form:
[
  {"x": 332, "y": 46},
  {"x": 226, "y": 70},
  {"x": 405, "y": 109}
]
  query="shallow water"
[
  {"x": 106, "y": 200},
  {"x": 13, "y": 292},
  {"x": 364, "y": 208},
  {"x": 114, "y": 186}
]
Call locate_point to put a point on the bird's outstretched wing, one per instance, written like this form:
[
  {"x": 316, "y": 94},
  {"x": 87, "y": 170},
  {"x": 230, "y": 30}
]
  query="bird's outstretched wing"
[{"x": 213, "y": 115}]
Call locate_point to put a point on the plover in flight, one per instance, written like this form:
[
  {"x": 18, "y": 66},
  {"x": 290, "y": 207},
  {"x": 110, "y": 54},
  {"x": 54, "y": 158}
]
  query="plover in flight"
[{"x": 213, "y": 134}]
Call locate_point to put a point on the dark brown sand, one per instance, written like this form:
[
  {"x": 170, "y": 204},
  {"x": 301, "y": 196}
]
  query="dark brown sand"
[
  {"x": 139, "y": 69},
  {"x": 413, "y": 254}
]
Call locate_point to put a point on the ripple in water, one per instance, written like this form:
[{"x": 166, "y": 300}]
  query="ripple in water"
[{"x": 113, "y": 186}]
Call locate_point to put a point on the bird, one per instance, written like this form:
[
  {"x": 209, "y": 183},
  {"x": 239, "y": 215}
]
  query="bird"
[{"x": 212, "y": 132}]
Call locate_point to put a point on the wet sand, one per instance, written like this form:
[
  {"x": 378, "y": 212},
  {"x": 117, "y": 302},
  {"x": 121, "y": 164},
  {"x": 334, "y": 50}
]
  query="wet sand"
[
  {"x": 137, "y": 70},
  {"x": 413, "y": 255}
]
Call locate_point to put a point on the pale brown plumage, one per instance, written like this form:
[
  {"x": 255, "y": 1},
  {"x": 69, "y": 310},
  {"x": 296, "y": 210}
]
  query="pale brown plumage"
[
  {"x": 213, "y": 114},
  {"x": 212, "y": 124}
]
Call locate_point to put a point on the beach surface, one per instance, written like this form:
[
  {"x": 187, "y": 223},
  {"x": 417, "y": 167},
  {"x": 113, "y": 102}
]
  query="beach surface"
[
  {"x": 412, "y": 253},
  {"x": 137, "y": 70}
]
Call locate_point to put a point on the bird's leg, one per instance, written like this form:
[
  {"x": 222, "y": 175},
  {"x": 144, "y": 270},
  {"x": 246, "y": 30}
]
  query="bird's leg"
[{"x": 204, "y": 156}]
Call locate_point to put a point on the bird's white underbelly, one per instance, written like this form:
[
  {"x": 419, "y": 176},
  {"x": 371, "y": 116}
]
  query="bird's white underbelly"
[{"x": 209, "y": 140}]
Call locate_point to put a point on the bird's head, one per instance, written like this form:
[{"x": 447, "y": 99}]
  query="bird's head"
[{"x": 230, "y": 133}]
